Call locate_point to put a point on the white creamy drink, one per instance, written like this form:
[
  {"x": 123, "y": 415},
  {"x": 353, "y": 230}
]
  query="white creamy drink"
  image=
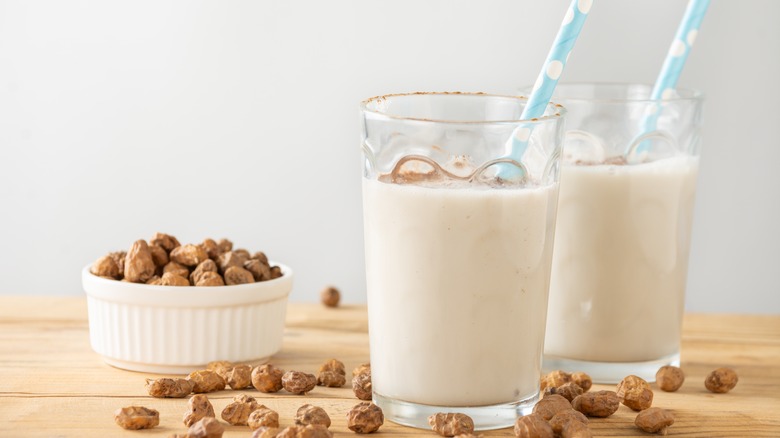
[
  {"x": 620, "y": 260},
  {"x": 457, "y": 290}
]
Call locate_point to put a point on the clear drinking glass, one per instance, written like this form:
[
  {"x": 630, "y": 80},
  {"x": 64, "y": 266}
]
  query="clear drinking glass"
[
  {"x": 623, "y": 231},
  {"x": 458, "y": 242}
]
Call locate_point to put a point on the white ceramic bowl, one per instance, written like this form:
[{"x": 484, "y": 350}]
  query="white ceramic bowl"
[{"x": 177, "y": 330}]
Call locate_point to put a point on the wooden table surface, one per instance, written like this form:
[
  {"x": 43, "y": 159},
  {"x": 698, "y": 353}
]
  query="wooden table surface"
[{"x": 53, "y": 385}]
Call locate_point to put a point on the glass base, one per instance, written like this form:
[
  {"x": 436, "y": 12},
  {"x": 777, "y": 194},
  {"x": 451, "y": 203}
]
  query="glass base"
[
  {"x": 610, "y": 372},
  {"x": 485, "y": 417}
]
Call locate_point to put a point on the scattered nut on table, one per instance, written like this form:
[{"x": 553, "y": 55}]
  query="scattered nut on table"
[
  {"x": 551, "y": 405},
  {"x": 298, "y": 382},
  {"x": 669, "y": 378},
  {"x": 168, "y": 388},
  {"x": 237, "y": 412},
  {"x": 654, "y": 420},
  {"x": 575, "y": 429},
  {"x": 560, "y": 420},
  {"x": 136, "y": 417},
  {"x": 365, "y": 417},
  {"x": 555, "y": 378},
  {"x": 238, "y": 377},
  {"x": 362, "y": 368},
  {"x": 451, "y": 424},
  {"x": 330, "y": 296},
  {"x": 310, "y": 414},
  {"x": 267, "y": 378},
  {"x": 635, "y": 393},
  {"x": 721, "y": 380},
  {"x": 332, "y": 374},
  {"x": 533, "y": 426},
  {"x": 198, "y": 408},
  {"x": 206, "y": 381},
  {"x": 568, "y": 390},
  {"x": 582, "y": 380},
  {"x": 207, "y": 427},
  {"x": 597, "y": 404},
  {"x": 361, "y": 385},
  {"x": 263, "y": 416}
]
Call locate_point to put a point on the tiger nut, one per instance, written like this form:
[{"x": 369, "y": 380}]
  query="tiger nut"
[
  {"x": 169, "y": 279},
  {"x": 206, "y": 381},
  {"x": 238, "y": 275},
  {"x": 168, "y": 388},
  {"x": 635, "y": 393},
  {"x": 198, "y": 407},
  {"x": 207, "y": 427},
  {"x": 721, "y": 380},
  {"x": 203, "y": 267},
  {"x": 188, "y": 255},
  {"x": 237, "y": 412},
  {"x": 654, "y": 420},
  {"x": 330, "y": 296},
  {"x": 365, "y": 417},
  {"x": 555, "y": 378},
  {"x": 362, "y": 368},
  {"x": 139, "y": 266},
  {"x": 451, "y": 424},
  {"x": 230, "y": 259},
  {"x": 136, "y": 417},
  {"x": 551, "y": 405},
  {"x": 575, "y": 429},
  {"x": 165, "y": 241},
  {"x": 159, "y": 256},
  {"x": 260, "y": 271},
  {"x": 298, "y": 382},
  {"x": 263, "y": 417},
  {"x": 309, "y": 414},
  {"x": 239, "y": 377},
  {"x": 176, "y": 269},
  {"x": 568, "y": 390},
  {"x": 210, "y": 279},
  {"x": 361, "y": 385},
  {"x": 267, "y": 378},
  {"x": 582, "y": 380},
  {"x": 533, "y": 426},
  {"x": 563, "y": 418},
  {"x": 332, "y": 374},
  {"x": 597, "y": 404},
  {"x": 105, "y": 267},
  {"x": 669, "y": 378}
]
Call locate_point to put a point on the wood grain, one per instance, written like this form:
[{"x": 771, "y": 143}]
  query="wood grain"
[{"x": 53, "y": 385}]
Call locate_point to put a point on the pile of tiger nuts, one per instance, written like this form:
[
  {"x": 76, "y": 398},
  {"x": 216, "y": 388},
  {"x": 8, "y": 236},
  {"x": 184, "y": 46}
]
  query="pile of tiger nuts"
[
  {"x": 164, "y": 261},
  {"x": 244, "y": 410}
]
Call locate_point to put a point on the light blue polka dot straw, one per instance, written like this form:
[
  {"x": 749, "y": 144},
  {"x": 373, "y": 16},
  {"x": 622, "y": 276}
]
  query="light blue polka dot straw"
[
  {"x": 675, "y": 60},
  {"x": 551, "y": 72}
]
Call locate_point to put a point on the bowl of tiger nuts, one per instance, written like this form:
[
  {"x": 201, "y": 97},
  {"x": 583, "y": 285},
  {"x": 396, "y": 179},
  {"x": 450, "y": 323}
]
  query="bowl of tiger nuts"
[{"x": 164, "y": 307}]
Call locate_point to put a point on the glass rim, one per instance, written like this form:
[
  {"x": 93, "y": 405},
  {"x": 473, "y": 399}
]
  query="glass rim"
[
  {"x": 560, "y": 110},
  {"x": 691, "y": 94}
]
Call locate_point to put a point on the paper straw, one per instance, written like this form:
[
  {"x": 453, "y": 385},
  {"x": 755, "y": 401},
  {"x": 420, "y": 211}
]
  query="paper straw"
[
  {"x": 666, "y": 83},
  {"x": 678, "y": 52},
  {"x": 551, "y": 72}
]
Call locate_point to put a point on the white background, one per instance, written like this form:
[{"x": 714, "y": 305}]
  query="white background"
[{"x": 239, "y": 119}]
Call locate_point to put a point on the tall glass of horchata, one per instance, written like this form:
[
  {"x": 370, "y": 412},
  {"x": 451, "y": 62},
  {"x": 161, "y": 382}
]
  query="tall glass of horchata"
[{"x": 458, "y": 244}]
